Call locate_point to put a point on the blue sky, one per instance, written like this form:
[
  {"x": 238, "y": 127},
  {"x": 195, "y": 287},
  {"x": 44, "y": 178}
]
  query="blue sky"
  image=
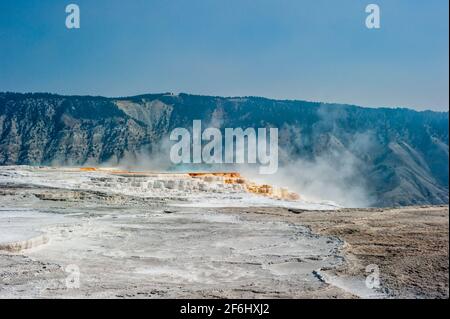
[{"x": 316, "y": 50}]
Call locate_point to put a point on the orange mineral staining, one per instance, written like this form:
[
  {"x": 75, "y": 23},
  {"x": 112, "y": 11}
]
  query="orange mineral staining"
[{"x": 236, "y": 178}]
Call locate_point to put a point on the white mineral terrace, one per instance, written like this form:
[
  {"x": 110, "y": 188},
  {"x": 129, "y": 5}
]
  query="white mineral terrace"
[
  {"x": 187, "y": 189},
  {"x": 132, "y": 232}
]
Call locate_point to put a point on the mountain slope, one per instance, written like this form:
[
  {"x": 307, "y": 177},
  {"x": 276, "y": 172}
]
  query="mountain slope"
[{"x": 398, "y": 156}]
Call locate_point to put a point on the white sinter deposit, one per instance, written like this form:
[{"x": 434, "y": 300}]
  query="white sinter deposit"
[{"x": 150, "y": 235}]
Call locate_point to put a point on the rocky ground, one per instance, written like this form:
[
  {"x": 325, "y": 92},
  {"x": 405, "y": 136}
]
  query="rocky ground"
[{"x": 409, "y": 245}]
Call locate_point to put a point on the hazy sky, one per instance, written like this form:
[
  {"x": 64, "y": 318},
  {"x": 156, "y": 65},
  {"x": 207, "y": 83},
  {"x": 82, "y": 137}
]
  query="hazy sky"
[{"x": 292, "y": 49}]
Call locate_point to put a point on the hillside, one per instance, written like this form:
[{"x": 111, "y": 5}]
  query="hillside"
[{"x": 381, "y": 157}]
